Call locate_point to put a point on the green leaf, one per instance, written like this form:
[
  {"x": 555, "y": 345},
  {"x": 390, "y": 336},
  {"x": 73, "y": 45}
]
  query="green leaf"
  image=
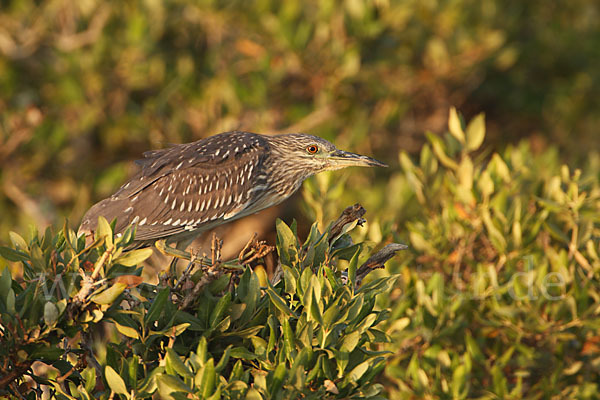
[
  {"x": 349, "y": 341},
  {"x": 249, "y": 293},
  {"x": 465, "y": 178},
  {"x": 459, "y": 380},
  {"x": 355, "y": 308},
  {"x": 133, "y": 257},
  {"x": 51, "y": 313},
  {"x": 357, "y": 372},
  {"x": 13, "y": 255},
  {"x": 46, "y": 353},
  {"x": 439, "y": 149},
  {"x": 253, "y": 394},
  {"x": 89, "y": 376},
  {"x": 115, "y": 382},
  {"x": 278, "y": 302},
  {"x": 157, "y": 307},
  {"x": 179, "y": 329},
  {"x": 127, "y": 330},
  {"x": 109, "y": 295},
  {"x": 104, "y": 231},
  {"x": 286, "y": 243},
  {"x": 455, "y": 126},
  {"x": 496, "y": 236},
  {"x": 331, "y": 315},
  {"x": 316, "y": 307},
  {"x": 260, "y": 346},
  {"x": 277, "y": 380},
  {"x": 167, "y": 384},
  {"x": 223, "y": 362},
  {"x": 223, "y": 325},
  {"x": 352, "y": 266},
  {"x": 473, "y": 348},
  {"x": 289, "y": 339},
  {"x": 133, "y": 365},
  {"x": 209, "y": 377},
  {"x": 475, "y": 132},
  {"x": 290, "y": 277},
  {"x": 485, "y": 184},
  {"x": 5, "y": 281},
  {"x": 243, "y": 353},
  {"x": 304, "y": 281},
  {"x": 18, "y": 242},
  {"x": 217, "y": 313},
  {"x": 378, "y": 286},
  {"x": 10, "y": 302},
  {"x": 174, "y": 363},
  {"x": 202, "y": 349},
  {"x": 245, "y": 333}
]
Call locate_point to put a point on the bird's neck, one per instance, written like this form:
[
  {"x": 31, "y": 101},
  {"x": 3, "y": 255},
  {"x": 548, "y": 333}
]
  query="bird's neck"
[{"x": 287, "y": 175}]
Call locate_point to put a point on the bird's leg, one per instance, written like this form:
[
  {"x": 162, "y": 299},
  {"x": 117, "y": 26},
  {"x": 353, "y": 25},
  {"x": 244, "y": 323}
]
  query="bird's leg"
[{"x": 181, "y": 246}]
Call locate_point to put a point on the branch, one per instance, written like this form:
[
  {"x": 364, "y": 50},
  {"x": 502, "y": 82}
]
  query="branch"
[
  {"x": 378, "y": 259},
  {"x": 348, "y": 216},
  {"x": 17, "y": 372}
]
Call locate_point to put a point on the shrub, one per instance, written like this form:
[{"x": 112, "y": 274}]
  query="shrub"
[
  {"x": 222, "y": 331},
  {"x": 499, "y": 295}
]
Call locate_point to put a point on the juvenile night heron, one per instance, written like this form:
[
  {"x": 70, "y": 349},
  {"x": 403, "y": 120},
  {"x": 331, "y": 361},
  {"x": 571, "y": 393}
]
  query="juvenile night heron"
[{"x": 186, "y": 189}]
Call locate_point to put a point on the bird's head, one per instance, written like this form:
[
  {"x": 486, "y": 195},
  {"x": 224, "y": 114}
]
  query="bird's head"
[{"x": 313, "y": 154}]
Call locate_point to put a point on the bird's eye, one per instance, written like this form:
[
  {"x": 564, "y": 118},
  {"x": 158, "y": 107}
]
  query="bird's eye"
[{"x": 312, "y": 149}]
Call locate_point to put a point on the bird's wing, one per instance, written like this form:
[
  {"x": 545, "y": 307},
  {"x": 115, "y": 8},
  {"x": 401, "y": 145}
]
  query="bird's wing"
[{"x": 188, "y": 186}]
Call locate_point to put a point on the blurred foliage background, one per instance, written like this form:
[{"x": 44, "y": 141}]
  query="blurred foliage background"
[{"x": 87, "y": 86}]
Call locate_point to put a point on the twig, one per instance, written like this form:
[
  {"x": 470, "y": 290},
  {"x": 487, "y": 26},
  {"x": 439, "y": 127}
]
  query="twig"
[
  {"x": 378, "y": 260},
  {"x": 211, "y": 273},
  {"x": 215, "y": 249},
  {"x": 88, "y": 283},
  {"x": 348, "y": 216},
  {"x": 187, "y": 272},
  {"x": 254, "y": 250},
  {"x": 17, "y": 372},
  {"x": 247, "y": 246}
]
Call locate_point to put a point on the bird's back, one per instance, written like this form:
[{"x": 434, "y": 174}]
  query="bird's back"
[{"x": 188, "y": 188}]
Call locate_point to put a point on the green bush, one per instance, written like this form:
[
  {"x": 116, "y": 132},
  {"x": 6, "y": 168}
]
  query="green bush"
[
  {"x": 226, "y": 331},
  {"x": 499, "y": 296}
]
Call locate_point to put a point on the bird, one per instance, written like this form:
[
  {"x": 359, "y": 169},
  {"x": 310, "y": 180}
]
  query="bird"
[{"x": 182, "y": 191}]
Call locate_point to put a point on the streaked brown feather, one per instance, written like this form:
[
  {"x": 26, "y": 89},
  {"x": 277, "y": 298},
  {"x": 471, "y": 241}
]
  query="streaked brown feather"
[{"x": 204, "y": 174}]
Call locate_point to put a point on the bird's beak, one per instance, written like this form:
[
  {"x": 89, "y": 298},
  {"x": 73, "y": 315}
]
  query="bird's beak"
[{"x": 341, "y": 159}]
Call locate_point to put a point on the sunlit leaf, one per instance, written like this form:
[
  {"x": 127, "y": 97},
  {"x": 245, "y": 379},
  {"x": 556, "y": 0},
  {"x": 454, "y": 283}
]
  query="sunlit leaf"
[
  {"x": 127, "y": 330},
  {"x": 104, "y": 231},
  {"x": 114, "y": 380},
  {"x": 108, "y": 296},
  {"x": 133, "y": 257},
  {"x": 455, "y": 126},
  {"x": 50, "y": 313},
  {"x": 475, "y": 132},
  {"x": 174, "y": 362},
  {"x": 18, "y": 242}
]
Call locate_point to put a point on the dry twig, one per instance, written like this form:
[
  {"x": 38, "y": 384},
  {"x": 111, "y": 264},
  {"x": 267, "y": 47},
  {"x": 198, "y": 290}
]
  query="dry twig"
[
  {"x": 378, "y": 260},
  {"x": 348, "y": 216},
  {"x": 209, "y": 273},
  {"x": 253, "y": 250}
]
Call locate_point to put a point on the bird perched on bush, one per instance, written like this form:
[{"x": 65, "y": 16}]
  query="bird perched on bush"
[{"x": 186, "y": 189}]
